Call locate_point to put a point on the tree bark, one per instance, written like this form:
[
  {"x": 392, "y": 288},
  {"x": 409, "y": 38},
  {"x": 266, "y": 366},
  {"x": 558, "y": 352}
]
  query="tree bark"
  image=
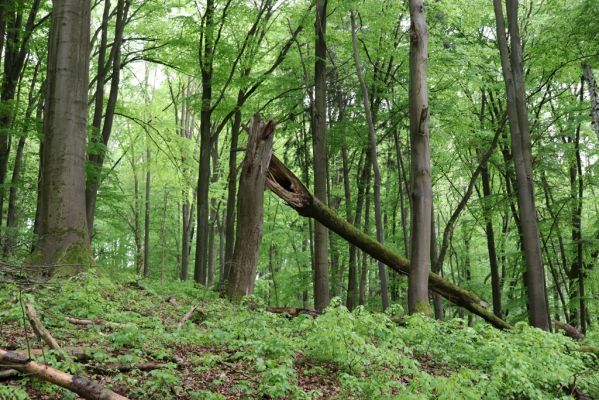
[
  {"x": 147, "y": 214},
  {"x": 321, "y": 239},
  {"x": 380, "y": 234},
  {"x": 594, "y": 95},
  {"x": 421, "y": 191},
  {"x": 250, "y": 210},
  {"x": 100, "y": 137},
  {"x": 82, "y": 386},
  {"x": 63, "y": 225},
  {"x": 206, "y": 66},
  {"x": 286, "y": 185},
  {"x": 512, "y": 68}
]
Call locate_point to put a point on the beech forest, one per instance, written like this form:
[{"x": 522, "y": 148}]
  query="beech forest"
[{"x": 299, "y": 199}]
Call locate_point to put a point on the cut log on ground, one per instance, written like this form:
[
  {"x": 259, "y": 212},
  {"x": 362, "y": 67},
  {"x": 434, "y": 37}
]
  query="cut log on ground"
[
  {"x": 39, "y": 328},
  {"x": 282, "y": 182},
  {"x": 82, "y": 386}
]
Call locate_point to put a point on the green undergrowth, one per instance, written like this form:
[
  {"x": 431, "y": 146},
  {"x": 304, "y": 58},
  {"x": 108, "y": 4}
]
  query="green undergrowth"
[{"x": 243, "y": 351}]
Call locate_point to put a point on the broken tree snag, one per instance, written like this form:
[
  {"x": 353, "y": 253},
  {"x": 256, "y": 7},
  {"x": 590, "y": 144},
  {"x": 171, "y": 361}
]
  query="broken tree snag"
[
  {"x": 39, "y": 329},
  {"x": 82, "y": 386},
  {"x": 250, "y": 209},
  {"x": 282, "y": 182}
]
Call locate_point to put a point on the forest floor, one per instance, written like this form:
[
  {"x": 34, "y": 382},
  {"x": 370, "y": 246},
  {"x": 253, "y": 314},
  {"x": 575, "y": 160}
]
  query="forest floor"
[{"x": 135, "y": 343}]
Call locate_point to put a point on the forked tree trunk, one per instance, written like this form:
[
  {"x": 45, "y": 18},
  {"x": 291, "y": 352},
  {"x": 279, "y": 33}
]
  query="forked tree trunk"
[
  {"x": 286, "y": 185},
  {"x": 422, "y": 196},
  {"x": 63, "y": 225},
  {"x": 250, "y": 209},
  {"x": 513, "y": 75}
]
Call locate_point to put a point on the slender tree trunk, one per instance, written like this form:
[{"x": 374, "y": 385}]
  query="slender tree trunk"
[
  {"x": 206, "y": 64},
  {"x": 437, "y": 300},
  {"x": 147, "y": 215},
  {"x": 16, "y": 48},
  {"x": 11, "y": 215},
  {"x": 420, "y": 157},
  {"x": 380, "y": 235},
  {"x": 538, "y": 313},
  {"x": 232, "y": 189},
  {"x": 352, "y": 270},
  {"x": 362, "y": 300},
  {"x": 250, "y": 210},
  {"x": 101, "y": 137},
  {"x": 321, "y": 238},
  {"x": 63, "y": 226}
]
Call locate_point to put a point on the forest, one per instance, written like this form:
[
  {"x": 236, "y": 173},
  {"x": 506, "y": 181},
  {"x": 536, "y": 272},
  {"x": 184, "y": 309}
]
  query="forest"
[{"x": 299, "y": 199}]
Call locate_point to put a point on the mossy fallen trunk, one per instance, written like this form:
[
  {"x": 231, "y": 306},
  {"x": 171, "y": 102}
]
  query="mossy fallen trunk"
[{"x": 282, "y": 182}]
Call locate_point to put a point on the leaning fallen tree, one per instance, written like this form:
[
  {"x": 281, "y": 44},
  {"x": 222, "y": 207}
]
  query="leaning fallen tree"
[{"x": 282, "y": 182}]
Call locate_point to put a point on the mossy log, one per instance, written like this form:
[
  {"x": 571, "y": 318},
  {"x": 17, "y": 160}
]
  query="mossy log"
[{"x": 282, "y": 182}]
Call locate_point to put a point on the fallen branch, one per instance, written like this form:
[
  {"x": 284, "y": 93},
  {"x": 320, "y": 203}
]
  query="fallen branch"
[
  {"x": 76, "y": 321},
  {"x": 282, "y": 182},
  {"x": 82, "y": 386},
  {"x": 187, "y": 316},
  {"x": 292, "y": 311},
  {"x": 39, "y": 328}
]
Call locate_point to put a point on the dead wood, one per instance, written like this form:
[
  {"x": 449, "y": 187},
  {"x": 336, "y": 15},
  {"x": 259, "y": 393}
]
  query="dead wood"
[
  {"x": 569, "y": 330},
  {"x": 39, "y": 329},
  {"x": 293, "y": 311},
  {"x": 282, "y": 182},
  {"x": 188, "y": 315},
  {"x": 82, "y": 386}
]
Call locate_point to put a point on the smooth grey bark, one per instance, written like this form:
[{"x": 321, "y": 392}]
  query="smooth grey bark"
[
  {"x": 321, "y": 236},
  {"x": 250, "y": 209},
  {"x": 437, "y": 268},
  {"x": 63, "y": 234},
  {"x": 421, "y": 190},
  {"x": 513, "y": 74},
  {"x": 362, "y": 300},
  {"x": 380, "y": 234}
]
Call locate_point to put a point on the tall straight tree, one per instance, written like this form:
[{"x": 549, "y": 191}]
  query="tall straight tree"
[
  {"x": 380, "y": 235},
  {"x": 319, "y": 126},
  {"x": 422, "y": 192},
  {"x": 63, "y": 235},
  {"x": 513, "y": 75}
]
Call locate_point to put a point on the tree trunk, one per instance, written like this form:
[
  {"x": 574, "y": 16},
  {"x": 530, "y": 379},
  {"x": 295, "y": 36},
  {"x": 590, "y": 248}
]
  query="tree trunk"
[
  {"x": 206, "y": 66},
  {"x": 100, "y": 137},
  {"x": 286, "y": 185},
  {"x": 232, "y": 190},
  {"x": 15, "y": 53},
  {"x": 594, "y": 95},
  {"x": 352, "y": 270},
  {"x": 250, "y": 210},
  {"x": 63, "y": 225},
  {"x": 321, "y": 239},
  {"x": 147, "y": 216},
  {"x": 421, "y": 167},
  {"x": 538, "y": 313},
  {"x": 380, "y": 235},
  {"x": 437, "y": 268}
]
